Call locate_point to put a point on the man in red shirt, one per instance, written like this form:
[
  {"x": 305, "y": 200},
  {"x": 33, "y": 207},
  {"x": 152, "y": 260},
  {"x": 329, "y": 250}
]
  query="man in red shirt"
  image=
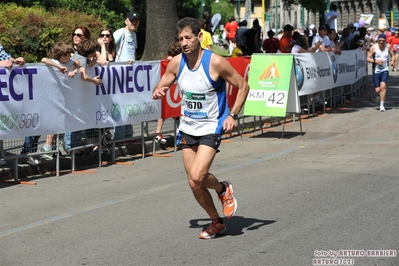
[
  {"x": 286, "y": 39},
  {"x": 271, "y": 45},
  {"x": 394, "y": 43},
  {"x": 231, "y": 28}
]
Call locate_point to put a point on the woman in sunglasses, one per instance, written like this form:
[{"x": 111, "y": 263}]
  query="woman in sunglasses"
[
  {"x": 107, "y": 51},
  {"x": 78, "y": 34}
]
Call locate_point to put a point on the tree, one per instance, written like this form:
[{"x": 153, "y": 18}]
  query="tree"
[{"x": 161, "y": 28}]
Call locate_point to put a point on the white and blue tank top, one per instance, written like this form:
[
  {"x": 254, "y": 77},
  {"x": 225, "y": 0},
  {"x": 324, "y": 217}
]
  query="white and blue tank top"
[
  {"x": 204, "y": 103},
  {"x": 384, "y": 54}
]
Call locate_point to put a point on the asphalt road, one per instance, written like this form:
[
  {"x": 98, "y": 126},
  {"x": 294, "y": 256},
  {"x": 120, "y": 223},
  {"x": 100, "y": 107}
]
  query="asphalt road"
[{"x": 335, "y": 188}]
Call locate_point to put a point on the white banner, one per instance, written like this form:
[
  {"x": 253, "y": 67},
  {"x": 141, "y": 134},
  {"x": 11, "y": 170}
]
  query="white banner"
[
  {"x": 38, "y": 100},
  {"x": 323, "y": 71}
]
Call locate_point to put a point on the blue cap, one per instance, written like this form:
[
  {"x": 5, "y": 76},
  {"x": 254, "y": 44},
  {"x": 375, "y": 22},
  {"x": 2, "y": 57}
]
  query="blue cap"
[{"x": 382, "y": 36}]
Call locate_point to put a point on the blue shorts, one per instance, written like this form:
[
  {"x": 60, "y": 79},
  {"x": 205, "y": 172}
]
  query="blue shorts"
[{"x": 380, "y": 77}]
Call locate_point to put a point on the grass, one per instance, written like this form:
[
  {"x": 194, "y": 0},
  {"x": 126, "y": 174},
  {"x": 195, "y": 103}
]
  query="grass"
[{"x": 220, "y": 51}]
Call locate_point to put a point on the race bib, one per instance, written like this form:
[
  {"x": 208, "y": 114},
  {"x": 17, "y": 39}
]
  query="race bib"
[{"x": 195, "y": 105}]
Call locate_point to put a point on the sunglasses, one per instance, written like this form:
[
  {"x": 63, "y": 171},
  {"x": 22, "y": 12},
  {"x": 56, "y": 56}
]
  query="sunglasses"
[
  {"x": 105, "y": 35},
  {"x": 77, "y": 34}
]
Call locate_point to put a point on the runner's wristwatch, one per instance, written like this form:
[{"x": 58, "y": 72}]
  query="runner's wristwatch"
[{"x": 234, "y": 116}]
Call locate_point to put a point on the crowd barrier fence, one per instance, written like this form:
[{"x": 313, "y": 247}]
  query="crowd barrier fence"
[{"x": 317, "y": 71}]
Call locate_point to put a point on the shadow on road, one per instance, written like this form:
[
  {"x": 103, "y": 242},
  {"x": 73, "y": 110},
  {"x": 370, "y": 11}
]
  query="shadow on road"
[{"x": 235, "y": 226}]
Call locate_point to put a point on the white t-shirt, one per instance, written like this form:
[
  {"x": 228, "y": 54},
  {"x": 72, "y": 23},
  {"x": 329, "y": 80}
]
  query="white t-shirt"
[
  {"x": 295, "y": 49},
  {"x": 325, "y": 41},
  {"x": 126, "y": 45},
  {"x": 329, "y": 15}
]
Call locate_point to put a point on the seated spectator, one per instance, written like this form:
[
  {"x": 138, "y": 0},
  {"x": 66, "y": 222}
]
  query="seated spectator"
[{"x": 237, "y": 50}]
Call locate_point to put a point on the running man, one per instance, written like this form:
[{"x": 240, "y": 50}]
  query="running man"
[
  {"x": 378, "y": 55},
  {"x": 201, "y": 76}
]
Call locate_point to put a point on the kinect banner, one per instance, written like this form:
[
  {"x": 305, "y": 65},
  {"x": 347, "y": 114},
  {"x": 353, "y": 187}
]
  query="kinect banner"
[
  {"x": 38, "y": 100},
  {"x": 323, "y": 71}
]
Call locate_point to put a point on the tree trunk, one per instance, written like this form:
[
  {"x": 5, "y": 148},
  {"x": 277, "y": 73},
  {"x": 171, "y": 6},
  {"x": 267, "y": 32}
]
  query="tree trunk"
[{"x": 161, "y": 28}]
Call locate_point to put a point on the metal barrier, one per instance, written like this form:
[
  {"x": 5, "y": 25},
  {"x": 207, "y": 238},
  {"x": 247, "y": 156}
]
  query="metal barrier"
[{"x": 30, "y": 149}]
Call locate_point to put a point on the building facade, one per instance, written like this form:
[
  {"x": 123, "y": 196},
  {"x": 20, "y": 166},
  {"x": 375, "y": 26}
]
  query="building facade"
[{"x": 274, "y": 14}]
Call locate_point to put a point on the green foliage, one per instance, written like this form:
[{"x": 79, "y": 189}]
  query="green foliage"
[
  {"x": 193, "y": 9},
  {"x": 30, "y": 32}
]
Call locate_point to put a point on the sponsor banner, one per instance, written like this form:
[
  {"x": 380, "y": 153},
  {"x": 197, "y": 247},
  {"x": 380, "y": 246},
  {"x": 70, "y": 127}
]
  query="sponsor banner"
[
  {"x": 241, "y": 65},
  {"x": 323, "y": 71},
  {"x": 171, "y": 103},
  {"x": 37, "y": 99}
]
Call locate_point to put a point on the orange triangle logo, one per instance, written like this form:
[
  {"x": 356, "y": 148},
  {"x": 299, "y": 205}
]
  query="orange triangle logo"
[{"x": 271, "y": 72}]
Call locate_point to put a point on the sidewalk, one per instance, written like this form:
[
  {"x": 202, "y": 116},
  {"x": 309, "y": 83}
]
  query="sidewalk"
[{"x": 324, "y": 124}]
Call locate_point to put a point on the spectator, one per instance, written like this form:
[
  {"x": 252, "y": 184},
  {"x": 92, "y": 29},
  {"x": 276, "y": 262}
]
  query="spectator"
[
  {"x": 280, "y": 34},
  {"x": 107, "y": 51},
  {"x": 126, "y": 45},
  {"x": 394, "y": 43},
  {"x": 241, "y": 38},
  {"x": 78, "y": 34},
  {"x": 301, "y": 45},
  {"x": 206, "y": 42},
  {"x": 252, "y": 36},
  {"x": 286, "y": 39},
  {"x": 7, "y": 61},
  {"x": 326, "y": 45},
  {"x": 231, "y": 28},
  {"x": 237, "y": 50},
  {"x": 332, "y": 36},
  {"x": 30, "y": 143},
  {"x": 271, "y": 44},
  {"x": 352, "y": 29},
  {"x": 126, "y": 39},
  {"x": 60, "y": 54},
  {"x": 331, "y": 16},
  {"x": 173, "y": 49},
  {"x": 215, "y": 38},
  {"x": 86, "y": 56},
  {"x": 207, "y": 18},
  {"x": 313, "y": 32},
  {"x": 343, "y": 43}
]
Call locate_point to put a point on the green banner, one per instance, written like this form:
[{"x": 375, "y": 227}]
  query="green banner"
[{"x": 269, "y": 82}]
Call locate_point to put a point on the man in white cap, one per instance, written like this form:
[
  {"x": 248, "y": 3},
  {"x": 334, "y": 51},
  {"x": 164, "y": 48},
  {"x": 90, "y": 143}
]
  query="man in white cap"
[
  {"x": 126, "y": 39},
  {"x": 126, "y": 45}
]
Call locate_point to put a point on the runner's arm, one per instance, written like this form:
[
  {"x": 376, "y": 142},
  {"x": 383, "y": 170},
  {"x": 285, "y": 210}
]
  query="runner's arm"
[{"x": 167, "y": 79}]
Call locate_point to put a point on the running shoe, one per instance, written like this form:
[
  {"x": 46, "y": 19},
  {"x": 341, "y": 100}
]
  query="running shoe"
[
  {"x": 213, "y": 230},
  {"x": 382, "y": 108},
  {"x": 161, "y": 139},
  {"x": 229, "y": 203}
]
